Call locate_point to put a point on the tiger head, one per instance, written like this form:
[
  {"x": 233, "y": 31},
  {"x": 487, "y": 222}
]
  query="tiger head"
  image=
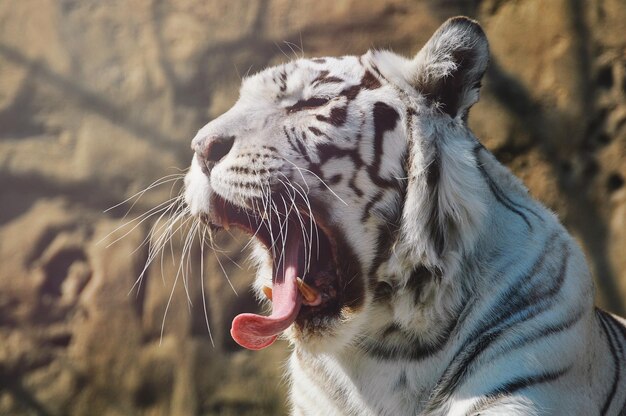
[{"x": 351, "y": 174}]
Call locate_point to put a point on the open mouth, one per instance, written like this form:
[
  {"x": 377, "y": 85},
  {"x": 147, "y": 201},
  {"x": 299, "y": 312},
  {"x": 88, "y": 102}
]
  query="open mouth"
[{"x": 305, "y": 277}]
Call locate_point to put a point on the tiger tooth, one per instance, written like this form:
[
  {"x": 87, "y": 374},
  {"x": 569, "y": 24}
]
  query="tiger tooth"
[
  {"x": 311, "y": 296},
  {"x": 267, "y": 291},
  {"x": 225, "y": 223}
]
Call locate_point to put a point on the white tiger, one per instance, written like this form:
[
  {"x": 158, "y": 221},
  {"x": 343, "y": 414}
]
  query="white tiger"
[{"x": 412, "y": 272}]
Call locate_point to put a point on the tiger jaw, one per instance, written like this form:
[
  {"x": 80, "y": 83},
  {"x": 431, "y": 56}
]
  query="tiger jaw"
[{"x": 312, "y": 295}]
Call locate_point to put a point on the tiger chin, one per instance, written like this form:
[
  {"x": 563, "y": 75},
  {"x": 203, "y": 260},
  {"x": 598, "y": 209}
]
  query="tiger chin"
[{"x": 412, "y": 272}]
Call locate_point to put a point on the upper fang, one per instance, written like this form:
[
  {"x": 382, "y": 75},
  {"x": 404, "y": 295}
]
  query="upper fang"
[{"x": 311, "y": 296}]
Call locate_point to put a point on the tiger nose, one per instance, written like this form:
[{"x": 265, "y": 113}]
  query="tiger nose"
[{"x": 212, "y": 149}]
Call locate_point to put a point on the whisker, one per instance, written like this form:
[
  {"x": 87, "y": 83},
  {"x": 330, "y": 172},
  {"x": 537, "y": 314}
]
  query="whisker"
[
  {"x": 269, "y": 211},
  {"x": 141, "y": 218},
  {"x": 204, "y": 306},
  {"x": 169, "y": 300},
  {"x": 291, "y": 46},
  {"x": 157, "y": 248},
  {"x": 312, "y": 222},
  {"x": 320, "y": 179},
  {"x": 307, "y": 252},
  {"x": 281, "y": 51},
  {"x": 172, "y": 211},
  {"x": 185, "y": 260},
  {"x": 169, "y": 178},
  {"x": 283, "y": 232},
  {"x": 258, "y": 228},
  {"x": 219, "y": 262}
]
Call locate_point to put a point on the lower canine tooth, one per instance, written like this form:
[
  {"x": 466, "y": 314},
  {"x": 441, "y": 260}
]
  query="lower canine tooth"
[
  {"x": 267, "y": 291},
  {"x": 310, "y": 295}
]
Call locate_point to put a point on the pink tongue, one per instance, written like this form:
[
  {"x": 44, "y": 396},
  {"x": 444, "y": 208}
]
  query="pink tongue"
[{"x": 256, "y": 332}]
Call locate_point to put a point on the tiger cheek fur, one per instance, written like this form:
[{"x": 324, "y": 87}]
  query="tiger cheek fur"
[{"x": 410, "y": 270}]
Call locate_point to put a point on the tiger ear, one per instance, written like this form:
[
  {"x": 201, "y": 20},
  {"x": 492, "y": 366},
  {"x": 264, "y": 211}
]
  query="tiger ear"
[{"x": 449, "y": 68}]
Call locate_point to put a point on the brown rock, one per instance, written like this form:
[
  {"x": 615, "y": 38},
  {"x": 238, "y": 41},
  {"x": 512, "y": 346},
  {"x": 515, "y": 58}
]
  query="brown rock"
[{"x": 99, "y": 99}]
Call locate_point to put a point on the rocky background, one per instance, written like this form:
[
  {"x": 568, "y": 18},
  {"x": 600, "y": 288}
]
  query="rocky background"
[{"x": 99, "y": 99}]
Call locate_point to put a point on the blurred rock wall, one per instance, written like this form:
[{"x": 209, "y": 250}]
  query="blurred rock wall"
[{"x": 99, "y": 99}]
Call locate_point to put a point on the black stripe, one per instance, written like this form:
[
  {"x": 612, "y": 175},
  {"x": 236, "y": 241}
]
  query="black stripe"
[
  {"x": 510, "y": 201},
  {"x": 283, "y": 80},
  {"x": 511, "y": 387},
  {"x": 413, "y": 349},
  {"x": 610, "y": 336},
  {"x": 335, "y": 179},
  {"x": 387, "y": 234},
  {"x": 301, "y": 146},
  {"x": 330, "y": 80},
  {"x": 619, "y": 327},
  {"x": 401, "y": 382},
  {"x": 327, "y": 151},
  {"x": 369, "y": 81},
  {"x": 540, "y": 333},
  {"x": 316, "y": 131},
  {"x": 351, "y": 92},
  {"x": 419, "y": 277},
  {"x": 434, "y": 225},
  {"x": 323, "y": 78},
  {"x": 352, "y": 184},
  {"x": 385, "y": 119},
  {"x": 500, "y": 196},
  {"x": 297, "y": 148},
  {"x": 313, "y": 102},
  {"x": 497, "y": 193},
  {"x": 370, "y": 204},
  {"x": 337, "y": 117},
  {"x": 375, "y": 68},
  {"x": 521, "y": 383}
]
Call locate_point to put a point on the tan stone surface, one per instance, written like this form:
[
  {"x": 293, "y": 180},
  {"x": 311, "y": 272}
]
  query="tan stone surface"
[{"x": 99, "y": 99}]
